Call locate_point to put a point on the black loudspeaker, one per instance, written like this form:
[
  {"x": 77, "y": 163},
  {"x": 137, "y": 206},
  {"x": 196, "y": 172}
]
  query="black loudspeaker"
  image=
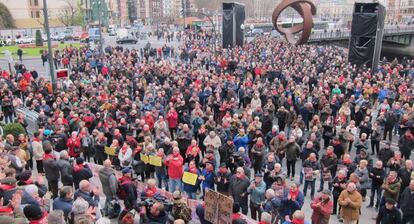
[
  {"x": 366, "y": 34},
  {"x": 233, "y": 18}
]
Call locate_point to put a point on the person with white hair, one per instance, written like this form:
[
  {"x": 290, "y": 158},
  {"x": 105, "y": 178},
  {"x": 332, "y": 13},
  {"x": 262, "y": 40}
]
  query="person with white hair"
[
  {"x": 213, "y": 141},
  {"x": 56, "y": 217},
  {"x": 65, "y": 168},
  {"x": 266, "y": 218},
  {"x": 350, "y": 201},
  {"x": 125, "y": 155},
  {"x": 74, "y": 145}
]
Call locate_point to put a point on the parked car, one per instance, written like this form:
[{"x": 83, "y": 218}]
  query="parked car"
[
  {"x": 76, "y": 36},
  {"x": 255, "y": 32},
  {"x": 25, "y": 40},
  {"x": 127, "y": 40}
]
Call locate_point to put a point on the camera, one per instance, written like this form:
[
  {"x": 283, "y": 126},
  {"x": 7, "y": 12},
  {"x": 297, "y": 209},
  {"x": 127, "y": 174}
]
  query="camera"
[{"x": 149, "y": 202}]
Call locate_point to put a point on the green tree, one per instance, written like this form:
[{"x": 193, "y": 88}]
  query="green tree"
[
  {"x": 72, "y": 15},
  {"x": 39, "y": 39},
  {"x": 6, "y": 18},
  {"x": 14, "y": 129}
]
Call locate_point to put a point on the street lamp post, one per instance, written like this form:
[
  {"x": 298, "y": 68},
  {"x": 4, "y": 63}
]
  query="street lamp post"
[
  {"x": 49, "y": 46},
  {"x": 100, "y": 27}
]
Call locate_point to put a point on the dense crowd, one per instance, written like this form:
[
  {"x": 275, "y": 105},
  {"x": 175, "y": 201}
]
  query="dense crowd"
[{"x": 244, "y": 120}]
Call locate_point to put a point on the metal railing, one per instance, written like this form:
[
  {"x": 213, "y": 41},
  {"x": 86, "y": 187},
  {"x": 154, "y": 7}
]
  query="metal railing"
[{"x": 344, "y": 34}]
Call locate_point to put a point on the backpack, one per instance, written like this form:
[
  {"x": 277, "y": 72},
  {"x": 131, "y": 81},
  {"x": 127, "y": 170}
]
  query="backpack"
[
  {"x": 181, "y": 211},
  {"x": 121, "y": 192}
]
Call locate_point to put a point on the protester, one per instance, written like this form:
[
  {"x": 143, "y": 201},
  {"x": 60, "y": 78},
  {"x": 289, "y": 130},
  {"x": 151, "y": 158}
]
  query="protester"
[
  {"x": 322, "y": 208},
  {"x": 350, "y": 201}
]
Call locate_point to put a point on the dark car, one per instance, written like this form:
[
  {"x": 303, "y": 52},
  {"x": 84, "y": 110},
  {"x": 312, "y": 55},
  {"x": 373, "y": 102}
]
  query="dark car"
[{"x": 127, "y": 40}]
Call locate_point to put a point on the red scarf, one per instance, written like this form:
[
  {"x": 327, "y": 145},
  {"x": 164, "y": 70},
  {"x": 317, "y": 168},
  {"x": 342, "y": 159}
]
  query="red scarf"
[
  {"x": 348, "y": 161},
  {"x": 294, "y": 194},
  {"x": 36, "y": 140},
  {"x": 297, "y": 221},
  {"x": 48, "y": 156},
  {"x": 124, "y": 149},
  {"x": 78, "y": 167}
]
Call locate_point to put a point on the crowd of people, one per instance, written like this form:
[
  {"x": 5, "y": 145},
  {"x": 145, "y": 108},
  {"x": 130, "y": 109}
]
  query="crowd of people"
[{"x": 244, "y": 120}]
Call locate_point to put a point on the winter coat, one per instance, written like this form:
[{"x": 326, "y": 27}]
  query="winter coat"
[
  {"x": 192, "y": 188},
  {"x": 51, "y": 169},
  {"x": 93, "y": 200},
  {"x": 392, "y": 190},
  {"x": 385, "y": 155},
  {"x": 238, "y": 188},
  {"x": 208, "y": 182},
  {"x": 81, "y": 172},
  {"x": 363, "y": 178},
  {"x": 322, "y": 213},
  {"x": 109, "y": 182},
  {"x": 377, "y": 177},
  {"x": 63, "y": 204},
  {"x": 222, "y": 181},
  {"x": 407, "y": 202},
  {"x": 386, "y": 216},
  {"x": 292, "y": 151},
  {"x": 125, "y": 159},
  {"x": 241, "y": 142},
  {"x": 257, "y": 194},
  {"x": 350, "y": 211},
  {"x": 288, "y": 207},
  {"x": 37, "y": 150},
  {"x": 174, "y": 166},
  {"x": 74, "y": 145},
  {"x": 66, "y": 172}
]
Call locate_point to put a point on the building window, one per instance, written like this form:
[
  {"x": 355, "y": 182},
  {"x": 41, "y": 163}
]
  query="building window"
[
  {"x": 36, "y": 3},
  {"x": 37, "y": 14}
]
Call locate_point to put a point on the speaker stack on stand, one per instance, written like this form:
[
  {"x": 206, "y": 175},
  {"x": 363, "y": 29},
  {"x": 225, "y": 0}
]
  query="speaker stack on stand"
[{"x": 366, "y": 34}]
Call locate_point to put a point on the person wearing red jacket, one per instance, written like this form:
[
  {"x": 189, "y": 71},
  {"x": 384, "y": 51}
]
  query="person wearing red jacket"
[
  {"x": 73, "y": 145},
  {"x": 172, "y": 118},
  {"x": 322, "y": 208},
  {"x": 174, "y": 163},
  {"x": 149, "y": 120}
]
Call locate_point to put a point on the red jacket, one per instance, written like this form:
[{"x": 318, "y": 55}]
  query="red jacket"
[
  {"x": 321, "y": 214},
  {"x": 175, "y": 166},
  {"x": 172, "y": 118},
  {"x": 72, "y": 144},
  {"x": 149, "y": 120}
]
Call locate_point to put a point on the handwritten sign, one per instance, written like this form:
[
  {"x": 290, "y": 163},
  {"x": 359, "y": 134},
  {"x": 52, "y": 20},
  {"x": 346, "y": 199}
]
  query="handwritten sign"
[
  {"x": 308, "y": 173},
  {"x": 155, "y": 160},
  {"x": 211, "y": 206},
  {"x": 225, "y": 208},
  {"x": 111, "y": 151},
  {"x": 190, "y": 178},
  {"x": 144, "y": 158}
]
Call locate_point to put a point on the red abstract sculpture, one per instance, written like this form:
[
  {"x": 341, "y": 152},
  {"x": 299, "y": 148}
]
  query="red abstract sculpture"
[{"x": 306, "y": 9}]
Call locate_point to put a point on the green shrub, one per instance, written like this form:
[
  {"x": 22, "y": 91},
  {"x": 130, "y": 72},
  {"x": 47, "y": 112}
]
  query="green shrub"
[
  {"x": 39, "y": 39},
  {"x": 14, "y": 129}
]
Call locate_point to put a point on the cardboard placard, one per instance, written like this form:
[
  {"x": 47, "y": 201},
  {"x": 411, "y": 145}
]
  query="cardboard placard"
[
  {"x": 155, "y": 160},
  {"x": 225, "y": 208},
  {"x": 211, "y": 206},
  {"x": 190, "y": 178},
  {"x": 111, "y": 151},
  {"x": 144, "y": 158},
  {"x": 308, "y": 173}
]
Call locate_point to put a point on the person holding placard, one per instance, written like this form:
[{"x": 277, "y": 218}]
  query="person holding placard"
[
  {"x": 207, "y": 176},
  {"x": 311, "y": 171},
  {"x": 189, "y": 188},
  {"x": 174, "y": 163}
]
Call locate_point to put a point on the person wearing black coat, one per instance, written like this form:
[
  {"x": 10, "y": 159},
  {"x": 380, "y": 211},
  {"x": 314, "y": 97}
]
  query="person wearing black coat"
[
  {"x": 404, "y": 173},
  {"x": 222, "y": 179},
  {"x": 377, "y": 175},
  {"x": 81, "y": 172},
  {"x": 65, "y": 168},
  {"x": 51, "y": 170},
  {"x": 128, "y": 191},
  {"x": 389, "y": 214},
  {"x": 407, "y": 204},
  {"x": 385, "y": 153}
]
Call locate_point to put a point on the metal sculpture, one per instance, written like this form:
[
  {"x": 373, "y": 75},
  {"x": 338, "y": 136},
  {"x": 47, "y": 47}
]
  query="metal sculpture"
[{"x": 306, "y": 10}]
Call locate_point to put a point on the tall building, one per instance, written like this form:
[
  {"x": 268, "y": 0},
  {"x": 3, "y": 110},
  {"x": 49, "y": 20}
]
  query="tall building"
[
  {"x": 29, "y": 13},
  {"x": 407, "y": 10},
  {"x": 150, "y": 10}
]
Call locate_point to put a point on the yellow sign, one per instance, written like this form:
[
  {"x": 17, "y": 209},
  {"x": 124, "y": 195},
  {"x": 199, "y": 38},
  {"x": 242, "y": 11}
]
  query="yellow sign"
[
  {"x": 144, "y": 158},
  {"x": 155, "y": 160},
  {"x": 110, "y": 151},
  {"x": 190, "y": 178}
]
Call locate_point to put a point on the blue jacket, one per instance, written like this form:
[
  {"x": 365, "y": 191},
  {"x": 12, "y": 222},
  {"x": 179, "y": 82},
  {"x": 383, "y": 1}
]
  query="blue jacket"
[
  {"x": 93, "y": 200},
  {"x": 257, "y": 195},
  {"x": 241, "y": 142},
  {"x": 209, "y": 179},
  {"x": 290, "y": 206},
  {"x": 63, "y": 204}
]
